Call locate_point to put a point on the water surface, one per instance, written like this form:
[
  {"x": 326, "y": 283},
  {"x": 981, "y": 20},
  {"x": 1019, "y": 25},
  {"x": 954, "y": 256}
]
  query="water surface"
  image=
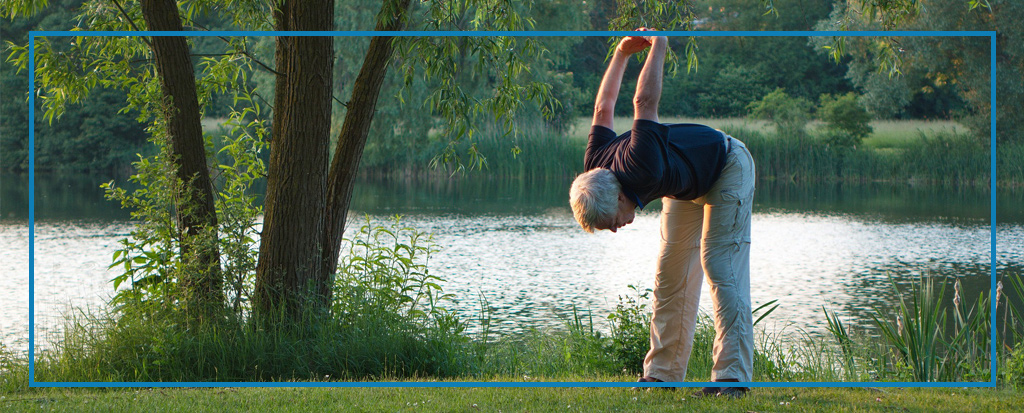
[{"x": 514, "y": 243}]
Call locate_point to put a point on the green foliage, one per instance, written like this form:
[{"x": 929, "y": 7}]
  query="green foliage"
[
  {"x": 940, "y": 158},
  {"x": 846, "y": 121},
  {"x": 789, "y": 114},
  {"x": 842, "y": 336},
  {"x": 883, "y": 15},
  {"x": 916, "y": 332},
  {"x": 1012, "y": 331},
  {"x": 8, "y": 363},
  {"x": 884, "y": 96},
  {"x": 938, "y": 67},
  {"x": 383, "y": 271},
  {"x": 238, "y": 207},
  {"x": 443, "y": 61},
  {"x": 1013, "y": 369},
  {"x": 152, "y": 267},
  {"x": 923, "y": 345},
  {"x": 631, "y": 329},
  {"x": 732, "y": 89},
  {"x": 585, "y": 346},
  {"x": 388, "y": 320},
  {"x": 920, "y": 345}
]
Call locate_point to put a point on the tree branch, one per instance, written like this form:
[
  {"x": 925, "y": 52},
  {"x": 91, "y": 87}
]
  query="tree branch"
[{"x": 131, "y": 22}]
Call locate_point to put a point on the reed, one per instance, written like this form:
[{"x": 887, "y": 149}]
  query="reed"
[
  {"x": 919, "y": 152},
  {"x": 940, "y": 160}
]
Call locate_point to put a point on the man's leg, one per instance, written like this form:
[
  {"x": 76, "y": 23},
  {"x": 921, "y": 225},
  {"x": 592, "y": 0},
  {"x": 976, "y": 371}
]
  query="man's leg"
[
  {"x": 725, "y": 255},
  {"x": 676, "y": 291}
]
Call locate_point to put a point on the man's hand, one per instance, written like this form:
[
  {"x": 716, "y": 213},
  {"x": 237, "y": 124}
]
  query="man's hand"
[
  {"x": 634, "y": 44},
  {"x": 652, "y": 39}
]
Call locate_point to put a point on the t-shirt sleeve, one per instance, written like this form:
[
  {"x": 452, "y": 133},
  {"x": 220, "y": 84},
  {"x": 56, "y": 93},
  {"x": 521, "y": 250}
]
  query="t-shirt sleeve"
[
  {"x": 647, "y": 147},
  {"x": 599, "y": 138}
]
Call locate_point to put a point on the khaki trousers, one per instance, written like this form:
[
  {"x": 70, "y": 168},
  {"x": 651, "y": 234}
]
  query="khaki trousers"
[{"x": 706, "y": 236}]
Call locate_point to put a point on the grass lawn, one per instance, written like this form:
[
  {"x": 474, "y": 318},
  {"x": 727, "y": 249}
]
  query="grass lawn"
[{"x": 508, "y": 400}]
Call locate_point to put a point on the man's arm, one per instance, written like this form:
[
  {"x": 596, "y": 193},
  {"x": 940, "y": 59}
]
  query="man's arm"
[
  {"x": 648, "y": 86},
  {"x": 604, "y": 107}
]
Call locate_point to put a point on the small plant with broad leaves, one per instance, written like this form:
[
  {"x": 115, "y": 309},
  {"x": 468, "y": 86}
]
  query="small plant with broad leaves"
[
  {"x": 151, "y": 268},
  {"x": 631, "y": 329},
  {"x": 384, "y": 272}
]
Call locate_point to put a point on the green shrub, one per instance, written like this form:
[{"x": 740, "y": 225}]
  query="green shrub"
[
  {"x": 631, "y": 330},
  {"x": 732, "y": 89},
  {"x": 846, "y": 120},
  {"x": 387, "y": 321},
  {"x": 383, "y": 272},
  {"x": 1013, "y": 368},
  {"x": 789, "y": 114}
]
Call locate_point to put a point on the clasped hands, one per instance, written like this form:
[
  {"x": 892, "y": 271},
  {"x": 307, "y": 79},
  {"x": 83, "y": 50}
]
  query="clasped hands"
[{"x": 634, "y": 44}]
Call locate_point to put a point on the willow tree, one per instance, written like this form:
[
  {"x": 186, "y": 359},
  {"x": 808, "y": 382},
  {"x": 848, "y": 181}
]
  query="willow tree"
[{"x": 307, "y": 199}]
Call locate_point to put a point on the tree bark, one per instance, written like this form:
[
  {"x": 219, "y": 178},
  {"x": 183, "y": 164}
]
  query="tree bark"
[
  {"x": 196, "y": 212},
  {"x": 354, "y": 131},
  {"x": 288, "y": 274}
]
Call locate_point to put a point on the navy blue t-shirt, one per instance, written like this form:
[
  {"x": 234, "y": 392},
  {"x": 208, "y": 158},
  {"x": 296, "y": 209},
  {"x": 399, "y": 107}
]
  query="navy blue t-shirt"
[{"x": 654, "y": 160}]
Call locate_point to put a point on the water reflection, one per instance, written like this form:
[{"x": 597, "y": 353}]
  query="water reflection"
[{"x": 514, "y": 243}]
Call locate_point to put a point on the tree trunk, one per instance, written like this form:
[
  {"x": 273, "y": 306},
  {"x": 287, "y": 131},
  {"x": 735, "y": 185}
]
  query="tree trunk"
[
  {"x": 354, "y": 131},
  {"x": 196, "y": 211},
  {"x": 288, "y": 274}
]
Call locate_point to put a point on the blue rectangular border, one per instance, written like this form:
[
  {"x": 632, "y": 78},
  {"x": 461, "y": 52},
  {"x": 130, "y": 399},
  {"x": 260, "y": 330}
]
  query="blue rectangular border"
[{"x": 31, "y": 202}]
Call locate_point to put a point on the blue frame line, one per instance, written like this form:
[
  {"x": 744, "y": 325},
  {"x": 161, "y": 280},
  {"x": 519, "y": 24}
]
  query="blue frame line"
[
  {"x": 539, "y": 33},
  {"x": 31, "y": 208},
  {"x": 31, "y": 202},
  {"x": 516, "y": 384},
  {"x": 992, "y": 183}
]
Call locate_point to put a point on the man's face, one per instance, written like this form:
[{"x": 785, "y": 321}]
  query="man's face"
[{"x": 624, "y": 215}]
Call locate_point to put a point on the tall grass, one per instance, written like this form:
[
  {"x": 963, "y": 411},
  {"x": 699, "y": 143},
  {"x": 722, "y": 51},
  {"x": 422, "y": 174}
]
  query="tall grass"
[
  {"x": 533, "y": 151},
  {"x": 940, "y": 159},
  {"x": 915, "y": 342},
  {"x": 385, "y": 347},
  {"x": 13, "y": 371},
  {"x": 387, "y": 320},
  {"x": 922, "y": 152},
  {"x": 917, "y": 331}
]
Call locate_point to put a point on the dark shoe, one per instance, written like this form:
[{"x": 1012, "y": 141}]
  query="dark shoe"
[
  {"x": 646, "y": 379},
  {"x": 706, "y": 392},
  {"x": 734, "y": 392}
]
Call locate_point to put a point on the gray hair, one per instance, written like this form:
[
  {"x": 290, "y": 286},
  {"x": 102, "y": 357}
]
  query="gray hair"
[{"x": 594, "y": 197}]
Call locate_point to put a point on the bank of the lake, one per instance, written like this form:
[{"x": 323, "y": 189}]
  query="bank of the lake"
[{"x": 892, "y": 213}]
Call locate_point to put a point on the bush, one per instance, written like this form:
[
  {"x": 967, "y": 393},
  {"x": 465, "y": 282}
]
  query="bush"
[
  {"x": 384, "y": 271},
  {"x": 631, "y": 330},
  {"x": 386, "y": 322},
  {"x": 732, "y": 89},
  {"x": 789, "y": 114},
  {"x": 847, "y": 122},
  {"x": 1013, "y": 369}
]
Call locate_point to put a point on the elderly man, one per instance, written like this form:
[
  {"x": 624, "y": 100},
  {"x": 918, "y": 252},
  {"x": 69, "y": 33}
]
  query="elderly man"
[{"x": 705, "y": 179}]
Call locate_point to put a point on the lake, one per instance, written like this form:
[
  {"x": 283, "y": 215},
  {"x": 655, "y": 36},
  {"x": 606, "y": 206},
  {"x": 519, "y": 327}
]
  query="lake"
[{"x": 515, "y": 243}]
